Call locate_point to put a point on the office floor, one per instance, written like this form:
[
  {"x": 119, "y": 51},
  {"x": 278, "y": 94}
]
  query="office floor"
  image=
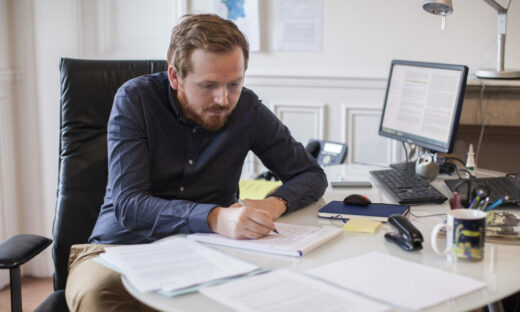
[{"x": 34, "y": 291}]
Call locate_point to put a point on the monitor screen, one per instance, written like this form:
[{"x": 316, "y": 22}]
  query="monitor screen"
[{"x": 423, "y": 103}]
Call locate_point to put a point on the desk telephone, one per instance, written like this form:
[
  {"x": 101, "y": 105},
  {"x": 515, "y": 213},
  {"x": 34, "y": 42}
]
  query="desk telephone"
[{"x": 327, "y": 153}]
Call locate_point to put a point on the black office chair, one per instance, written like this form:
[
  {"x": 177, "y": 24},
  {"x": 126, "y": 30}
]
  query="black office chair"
[
  {"x": 14, "y": 252},
  {"x": 87, "y": 93}
]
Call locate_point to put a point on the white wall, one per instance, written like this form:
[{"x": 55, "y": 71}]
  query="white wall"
[
  {"x": 338, "y": 91},
  {"x": 361, "y": 37}
]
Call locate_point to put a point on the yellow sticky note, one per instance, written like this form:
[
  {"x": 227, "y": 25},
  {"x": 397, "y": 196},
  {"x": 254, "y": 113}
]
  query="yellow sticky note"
[
  {"x": 362, "y": 225},
  {"x": 257, "y": 189}
]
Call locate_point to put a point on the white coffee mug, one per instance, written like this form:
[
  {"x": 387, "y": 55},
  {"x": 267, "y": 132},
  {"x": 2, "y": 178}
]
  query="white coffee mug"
[{"x": 465, "y": 233}]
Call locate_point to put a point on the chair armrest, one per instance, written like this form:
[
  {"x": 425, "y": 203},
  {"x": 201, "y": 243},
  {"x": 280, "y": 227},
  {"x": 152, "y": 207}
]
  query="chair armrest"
[{"x": 19, "y": 249}]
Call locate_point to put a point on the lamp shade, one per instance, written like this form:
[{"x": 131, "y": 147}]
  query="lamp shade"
[{"x": 438, "y": 7}]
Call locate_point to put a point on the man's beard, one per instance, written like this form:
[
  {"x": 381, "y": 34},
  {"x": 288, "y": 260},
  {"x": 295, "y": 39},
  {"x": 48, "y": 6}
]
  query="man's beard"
[{"x": 207, "y": 120}]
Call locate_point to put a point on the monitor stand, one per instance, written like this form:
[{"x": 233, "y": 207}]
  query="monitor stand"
[{"x": 404, "y": 166}]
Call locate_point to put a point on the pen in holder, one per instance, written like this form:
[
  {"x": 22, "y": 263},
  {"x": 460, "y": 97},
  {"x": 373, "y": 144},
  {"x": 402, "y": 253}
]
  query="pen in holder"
[
  {"x": 455, "y": 201},
  {"x": 468, "y": 192}
]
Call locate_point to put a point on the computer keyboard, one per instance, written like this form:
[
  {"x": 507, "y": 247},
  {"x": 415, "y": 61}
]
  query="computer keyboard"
[
  {"x": 407, "y": 188},
  {"x": 497, "y": 188}
]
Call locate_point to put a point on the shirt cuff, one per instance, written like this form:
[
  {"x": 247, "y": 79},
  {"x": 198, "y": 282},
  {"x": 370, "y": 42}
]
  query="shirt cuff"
[
  {"x": 287, "y": 198},
  {"x": 198, "y": 219}
]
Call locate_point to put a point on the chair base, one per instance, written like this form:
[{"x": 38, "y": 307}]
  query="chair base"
[{"x": 16, "y": 289}]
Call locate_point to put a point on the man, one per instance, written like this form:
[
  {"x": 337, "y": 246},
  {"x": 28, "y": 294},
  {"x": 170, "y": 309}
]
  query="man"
[{"x": 177, "y": 141}]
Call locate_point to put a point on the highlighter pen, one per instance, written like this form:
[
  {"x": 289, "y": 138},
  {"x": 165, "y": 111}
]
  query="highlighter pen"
[
  {"x": 476, "y": 200},
  {"x": 243, "y": 204},
  {"x": 497, "y": 203}
]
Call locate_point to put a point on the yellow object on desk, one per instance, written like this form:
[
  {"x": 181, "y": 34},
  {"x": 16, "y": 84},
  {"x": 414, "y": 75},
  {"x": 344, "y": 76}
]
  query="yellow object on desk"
[
  {"x": 257, "y": 189},
  {"x": 362, "y": 225}
]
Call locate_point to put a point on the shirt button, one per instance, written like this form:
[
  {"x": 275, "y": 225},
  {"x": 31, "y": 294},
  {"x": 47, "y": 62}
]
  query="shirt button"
[
  {"x": 190, "y": 162},
  {"x": 181, "y": 188},
  {"x": 194, "y": 130}
]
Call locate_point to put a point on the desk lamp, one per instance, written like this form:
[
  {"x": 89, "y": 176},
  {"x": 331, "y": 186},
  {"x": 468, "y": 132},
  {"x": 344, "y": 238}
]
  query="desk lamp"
[{"x": 445, "y": 7}]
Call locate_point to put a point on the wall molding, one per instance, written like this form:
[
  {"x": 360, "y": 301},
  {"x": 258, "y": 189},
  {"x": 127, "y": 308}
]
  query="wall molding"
[
  {"x": 315, "y": 109},
  {"x": 276, "y": 80},
  {"x": 182, "y": 8},
  {"x": 350, "y": 112}
]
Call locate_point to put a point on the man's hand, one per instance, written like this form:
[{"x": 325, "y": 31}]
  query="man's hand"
[{"x": 240, "y": 222}]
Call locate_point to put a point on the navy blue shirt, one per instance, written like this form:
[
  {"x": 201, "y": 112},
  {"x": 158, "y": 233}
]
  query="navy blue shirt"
[{"x": 167, "y": 173}]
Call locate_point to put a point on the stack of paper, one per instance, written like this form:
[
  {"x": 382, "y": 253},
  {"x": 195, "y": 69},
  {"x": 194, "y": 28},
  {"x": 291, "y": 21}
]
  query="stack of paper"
[
  {"x": 172, "y": 265},
  {"x": 401, "y": 283},
  {"x": 285, "y": 290}
]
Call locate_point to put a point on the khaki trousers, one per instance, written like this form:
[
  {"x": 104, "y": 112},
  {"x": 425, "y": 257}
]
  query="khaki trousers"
[{"x": 93, "y": 287}]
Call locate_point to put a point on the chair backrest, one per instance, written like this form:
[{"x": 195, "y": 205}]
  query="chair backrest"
[{"x": 87, "y": 93}]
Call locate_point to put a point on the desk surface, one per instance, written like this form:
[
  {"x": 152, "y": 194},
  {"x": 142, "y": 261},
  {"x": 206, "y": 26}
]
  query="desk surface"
[{"x": 499, "y": 269}]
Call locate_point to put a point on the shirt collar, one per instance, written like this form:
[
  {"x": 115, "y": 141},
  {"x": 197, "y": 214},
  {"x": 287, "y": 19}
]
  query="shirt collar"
[{"x": 178, "y": 110}]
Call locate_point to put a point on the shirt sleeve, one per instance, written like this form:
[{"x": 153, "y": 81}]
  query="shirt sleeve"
[
  {"x": 136, "y": 208},
  {"x": 304, "y": 181}
]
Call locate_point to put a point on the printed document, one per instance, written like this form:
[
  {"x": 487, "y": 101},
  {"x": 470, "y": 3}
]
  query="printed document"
[
  {"x": 298, "y": 25},
  {"x": 172, "y": 264},
  {"x": 285, "y": 290},
  {"x": 292, "y": 240},
  {"x": 399, "y": 282}
]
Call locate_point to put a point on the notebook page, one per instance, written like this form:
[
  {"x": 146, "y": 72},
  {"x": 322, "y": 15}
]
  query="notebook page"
[{"x": 292, "y": 240}]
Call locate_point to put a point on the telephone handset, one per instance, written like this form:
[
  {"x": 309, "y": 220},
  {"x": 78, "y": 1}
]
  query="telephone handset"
[{"x": 327, "y": 153}]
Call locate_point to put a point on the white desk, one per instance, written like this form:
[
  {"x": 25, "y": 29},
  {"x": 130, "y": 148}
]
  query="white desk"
[{"x": 499, "y": 269}]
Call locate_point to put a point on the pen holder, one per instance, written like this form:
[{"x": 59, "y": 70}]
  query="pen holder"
[{"x": 452, "y": 203}]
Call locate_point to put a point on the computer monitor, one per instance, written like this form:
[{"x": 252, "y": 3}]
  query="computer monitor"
[{"x": 423, "y": 103}]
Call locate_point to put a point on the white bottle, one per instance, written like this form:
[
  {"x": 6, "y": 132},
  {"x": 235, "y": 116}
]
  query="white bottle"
[{"x": 470, "y": 161}]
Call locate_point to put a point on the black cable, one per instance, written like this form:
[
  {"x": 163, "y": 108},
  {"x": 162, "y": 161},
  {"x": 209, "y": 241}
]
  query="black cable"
[
  {"x": 457, "y": 159},
  {"x": 405, "y": 151},
  {"x": 471, "y": 176},
  {"x": 432, "y": 215}
]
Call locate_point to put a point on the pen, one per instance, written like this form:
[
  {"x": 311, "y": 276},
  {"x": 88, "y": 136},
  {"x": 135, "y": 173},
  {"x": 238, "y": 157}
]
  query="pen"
[
  {"x": 455, "y": 200},
  {"x": 484, "y": 204},
  {"x": 476, "y": 200},
  {"x": 497, "y": 203},
  {"x": 243, "y": 204}
]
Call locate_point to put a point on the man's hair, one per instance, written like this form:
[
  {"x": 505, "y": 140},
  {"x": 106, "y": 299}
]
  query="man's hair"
[{"x": 203, "y": 31}]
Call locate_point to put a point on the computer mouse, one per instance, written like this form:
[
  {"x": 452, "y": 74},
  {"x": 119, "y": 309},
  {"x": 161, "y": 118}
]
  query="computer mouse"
[{"x": 357, "y": 200}]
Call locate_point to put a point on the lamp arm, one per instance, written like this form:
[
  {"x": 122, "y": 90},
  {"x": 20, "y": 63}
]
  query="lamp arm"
[
  {"x": 496, "y": 6},
  {"x": 501, "y": 32}
]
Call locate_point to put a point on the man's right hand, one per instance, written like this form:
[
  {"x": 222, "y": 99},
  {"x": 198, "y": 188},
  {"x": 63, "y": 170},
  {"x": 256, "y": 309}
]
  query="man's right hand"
[{"x": 240, "y": 222}]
